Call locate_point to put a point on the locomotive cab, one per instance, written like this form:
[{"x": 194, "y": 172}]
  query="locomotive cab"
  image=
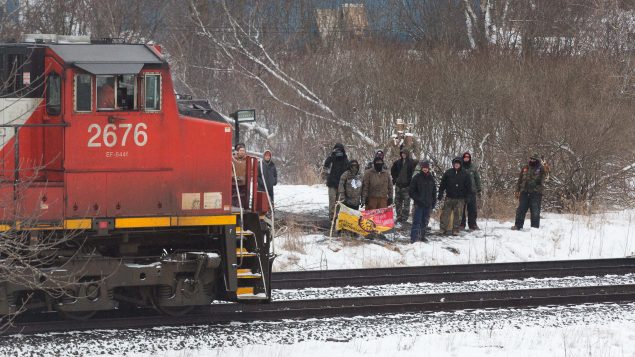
[{"x": 95, "y": 153}]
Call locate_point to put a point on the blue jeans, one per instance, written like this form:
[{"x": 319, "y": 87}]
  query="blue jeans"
[{"x": 420, "y": 221}]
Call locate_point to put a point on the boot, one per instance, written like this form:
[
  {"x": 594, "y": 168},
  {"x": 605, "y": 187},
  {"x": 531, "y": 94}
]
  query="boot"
[
  {"x": 462, "y": 226},
  {"x": 474, "y": 227},
  {"x": 455, "y": 232},
  {"x": 514, "y": 228}
]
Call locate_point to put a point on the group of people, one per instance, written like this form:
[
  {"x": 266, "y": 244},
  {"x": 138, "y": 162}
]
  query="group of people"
[
  {"x": 267, "y": 176},
  {"x": 376, "y": 186}
]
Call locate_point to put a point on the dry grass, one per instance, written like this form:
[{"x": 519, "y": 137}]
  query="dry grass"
[
  {"x": 498, "y": 206},
  {"x": 292, "y": 240}
]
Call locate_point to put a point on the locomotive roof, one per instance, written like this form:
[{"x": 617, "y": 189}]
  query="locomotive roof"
[{"x": 107, "y": 58}]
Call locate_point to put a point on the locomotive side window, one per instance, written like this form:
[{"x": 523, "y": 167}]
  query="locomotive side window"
[
  {"x": 83, "y": 93},
  {"x": 126, "y": 99},
  {"x": 53, "y": 94},
  {"x": 105, "y": 92},
  {"x": 152, "y": 92}
]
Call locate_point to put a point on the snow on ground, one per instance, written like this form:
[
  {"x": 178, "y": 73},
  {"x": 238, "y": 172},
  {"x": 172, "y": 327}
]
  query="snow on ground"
[{"x": 561, "y": 236}]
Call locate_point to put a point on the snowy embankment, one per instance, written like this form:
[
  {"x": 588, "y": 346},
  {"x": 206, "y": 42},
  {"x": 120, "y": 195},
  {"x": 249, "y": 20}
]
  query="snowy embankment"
[{"x": 561, "y": 236}]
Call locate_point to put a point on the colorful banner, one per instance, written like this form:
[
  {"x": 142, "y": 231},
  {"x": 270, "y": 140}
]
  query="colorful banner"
[
  {"x": 382, "y": 217},
  {"x": 364, "y": 223}
]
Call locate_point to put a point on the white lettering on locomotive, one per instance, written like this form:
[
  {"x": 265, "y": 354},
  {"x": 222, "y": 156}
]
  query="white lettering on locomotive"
[{"x": 111, "y": 134}]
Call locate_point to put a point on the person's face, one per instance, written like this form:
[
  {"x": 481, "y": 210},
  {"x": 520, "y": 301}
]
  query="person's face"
[
  {"x": 267, "y": 156},
  {"x": 467, "y": 158},
  {"x": 457, "y": 165},
  {"x": 241, "y": 153},
  {"x": 403, "y": 155},
  {"x": 425, "y": 170}
]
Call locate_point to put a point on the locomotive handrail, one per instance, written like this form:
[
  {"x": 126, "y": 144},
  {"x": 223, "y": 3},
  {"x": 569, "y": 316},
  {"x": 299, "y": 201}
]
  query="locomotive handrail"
[{"x": 240, "y": 206}]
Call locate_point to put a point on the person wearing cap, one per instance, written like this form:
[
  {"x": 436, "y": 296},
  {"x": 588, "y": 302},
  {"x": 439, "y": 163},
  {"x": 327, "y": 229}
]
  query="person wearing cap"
[
  {"x": 470, "y": 206},
  {"x": 529, "y": 190},
  {"x": 423, "y": 191},
  {"x": 377, "y": 186},
  {"x": 402, "y": 171},
  {"x": 335, "y": 165},
  {"x": 456, "y": 184},
  {"x": 379, "y": 153},
  {"x": 267, "y": 175},
  {"x": 350, "y": 187}
]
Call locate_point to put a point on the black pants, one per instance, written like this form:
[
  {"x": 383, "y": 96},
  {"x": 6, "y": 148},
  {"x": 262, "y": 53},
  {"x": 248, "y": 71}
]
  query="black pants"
[
  {"x": 529, "y": 201},
  {"x": 470, "y": 206}
]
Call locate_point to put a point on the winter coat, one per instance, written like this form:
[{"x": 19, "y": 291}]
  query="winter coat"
[
  {"x": 240, "y": 166},
  {"x": 336, "y": 166},
  {"x": 395, "y": 170},
  {"x": 270, "y": 174},
  {"x": 350, "y": 188},
  {"x": 475, "y": 177},
  {"x": 455, "y": 184},
  {"x": 531, "y": 178},
  {"x": 376, "y": 184},
  {"x": 423, "y": 190}
]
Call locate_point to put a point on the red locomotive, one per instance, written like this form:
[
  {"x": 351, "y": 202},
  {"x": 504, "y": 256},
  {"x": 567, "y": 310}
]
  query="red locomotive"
[{"x": 95, "y": 153}]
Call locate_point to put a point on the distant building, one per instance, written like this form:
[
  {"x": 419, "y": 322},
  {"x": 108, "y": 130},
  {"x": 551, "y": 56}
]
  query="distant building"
[{"x": 349, "y": 19}]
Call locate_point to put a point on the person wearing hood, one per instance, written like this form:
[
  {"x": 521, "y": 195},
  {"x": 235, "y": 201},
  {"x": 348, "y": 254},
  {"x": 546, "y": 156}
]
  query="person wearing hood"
[
  {"x": 335, "y": 165},
  {"x": 423, "y": 191},
  {"x": 267, "y": 175},
  {"x": 402, "y": 171},
  {"x": 470, "y": 206},
  {"x": 350, "y": 187},
  {"x": 239, "y": 176},
  {"x": 377, "y": 186},
  {"x": 456, "y": 184},
  {"x": 529, "y": 190}
]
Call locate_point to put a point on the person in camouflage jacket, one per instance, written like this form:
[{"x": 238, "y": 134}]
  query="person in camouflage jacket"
[
  {"x": 350, "y": 188},
  {"x": 470, "y": 206},
  {"x": 529, "y": 190}
]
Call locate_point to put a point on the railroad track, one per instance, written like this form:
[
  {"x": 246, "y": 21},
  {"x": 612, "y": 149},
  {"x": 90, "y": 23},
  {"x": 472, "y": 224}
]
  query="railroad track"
[
  {"x": 321, "y": 308},
  {"x": 451, "y": 273}
]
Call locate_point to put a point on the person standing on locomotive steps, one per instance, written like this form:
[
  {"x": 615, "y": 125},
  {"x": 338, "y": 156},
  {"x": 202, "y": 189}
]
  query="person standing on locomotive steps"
[
  {"x": 529, "y": 190},
  {"x": 423, "y": 191},
  {"x": 240, "y": 175},
  {"x": 470, "y": 201},
  {"x": 335, "y": 164},
  {"x": 377, "y": 186},
  {"x": 267, "y": 169},
  {"x": 402, "y": 171},
  {"x": 456, "y": 183},
  {"x": 350, "y": 187}
]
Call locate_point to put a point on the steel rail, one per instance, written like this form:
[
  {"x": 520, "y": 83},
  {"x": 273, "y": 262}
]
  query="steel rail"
[
  {"x": 451, "y": 273},
  {"x": 342, "y": 307}
]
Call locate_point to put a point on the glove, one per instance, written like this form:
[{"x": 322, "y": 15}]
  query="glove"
[
  {"x": 389, "y": 201},
  {"x": 517, "y": 194}
]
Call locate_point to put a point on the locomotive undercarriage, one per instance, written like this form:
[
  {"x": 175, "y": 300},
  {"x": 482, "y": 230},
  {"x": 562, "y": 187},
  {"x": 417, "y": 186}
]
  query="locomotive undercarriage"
[{"x": 168, "y": 270}]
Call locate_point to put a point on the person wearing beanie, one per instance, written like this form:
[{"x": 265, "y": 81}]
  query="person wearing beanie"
[
  {"x": 470, "y": 206},
  {"x": 267, "y": 174},
  {"x": 377, "y": 186},
  {"x": 402, "y": 171},
  {"x": 350, "y": 187},
  {"x": 334, "y": 166},
  {"x": 423, "y": 191},
  {"x": 529, "y": 189},
  {"x": 456, "y": 184}
]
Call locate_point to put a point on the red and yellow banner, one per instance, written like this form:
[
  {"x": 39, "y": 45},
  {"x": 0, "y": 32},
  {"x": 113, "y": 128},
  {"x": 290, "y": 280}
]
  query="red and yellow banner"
[{"x": 366, "y": 222}]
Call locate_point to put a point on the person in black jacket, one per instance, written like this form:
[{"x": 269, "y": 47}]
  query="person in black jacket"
[
  {"x": 335, "y": 164},
  {"x": 423, "y": 191},
  {"x": 401, "y": 172},
  {"x": 457, "y": 184},
  {"x": 267, "y": 169}
]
